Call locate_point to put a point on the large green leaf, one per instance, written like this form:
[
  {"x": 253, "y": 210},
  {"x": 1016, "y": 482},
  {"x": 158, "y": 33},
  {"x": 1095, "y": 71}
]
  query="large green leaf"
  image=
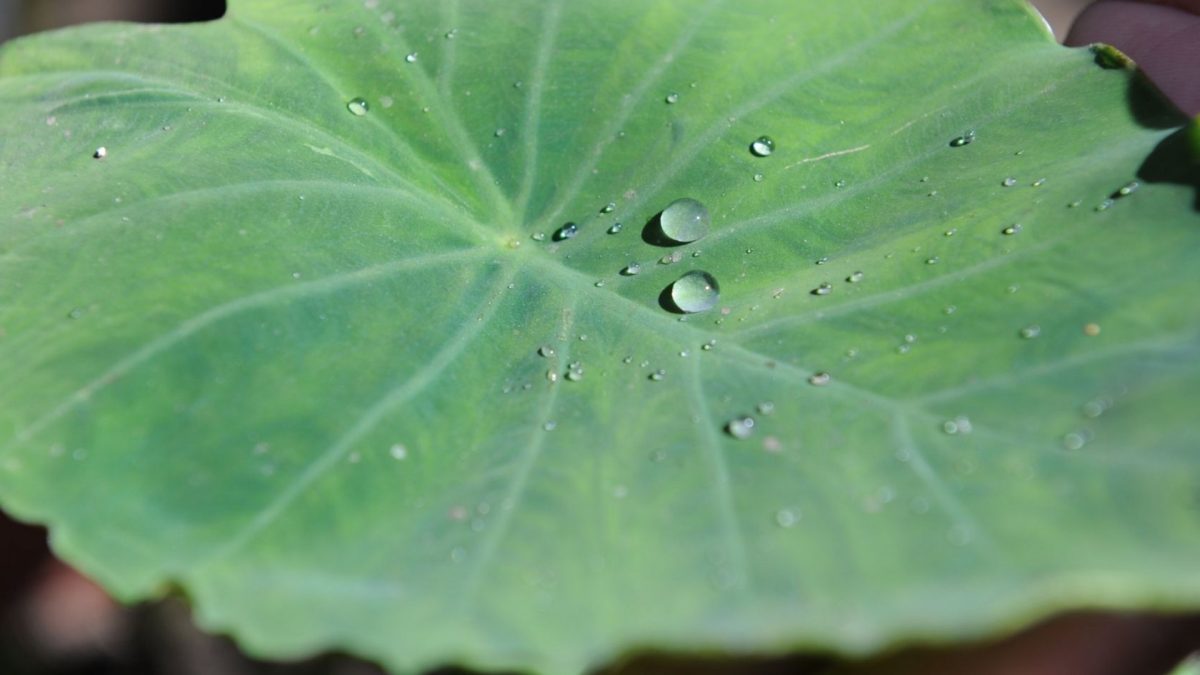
[{"x": 285, "y": 356}]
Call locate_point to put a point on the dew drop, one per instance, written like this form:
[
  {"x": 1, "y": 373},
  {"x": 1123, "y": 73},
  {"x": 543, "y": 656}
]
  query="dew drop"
[
  {"x": 75, "y": 313},
  {"x": 1031, "y": 331},
  {"x": 786, "y": 518},
  {"x": 1011, "y": 229},
  {"x": 411, "y": 58},
  {"x": 672, "y": 98},
  {"x": 614, "y": 228},
  {"x": 1091, "y": 329},
  {"x": 695, "y": 291},
  {"x": 358, "y": 106},
  {"x": 932, "y": 260},
  {"x": 550, "y": 425},
  {"x": 100, "y": 153},
  {"x": 839, "y": 183},
  {"x": 1104, "y": 205},
  {"x": 684, "y": 220},
  {"x": 951, "y": 232},
  {"x": 740, "y": 427},
  {"x": 819, "y": 379},
  {"x": 609, "y": 207},
  {"x": 965, "y": 139},
  {"x": 546, "y": 351},
  {"x": 658, "y": 375},
  {"x": 398, "y": 451},
  {"x": 1039, "y": 182},
  {"x": 762, "y": 146},
  {"x": 1128, "y": 188},
  {"x": 538, "y": 236},
  {"x": 765, "y": 408},
  {"x": 575, "y": 373},
  {"x": 551, "y": 375},
  {"x": 758, "y": 178},
  {"x": 855, "y": 277},
  {"x": 1008, "y": 182},
  {"x": 565, "y": 232},
  {"x": 632, "y": 269},
  {"x": 824, "y": 289},
  {"x": 1073, "y": 441}
]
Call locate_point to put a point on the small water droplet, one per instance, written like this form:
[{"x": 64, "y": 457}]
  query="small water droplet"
[
  {"x": 1011, "y": 229},
  {"x": 758, "y": 178},
  {"x": 762, "y": 146},
  {"x": 825, "y": 288},
  {"x": 1074, "y": 440},
  {"x": 950, "y": 309},
  {"x": 1075, "y": 204},
  {"x": 684, "y": 220},
  {"x": 820, "y": 379},
  {"x": 599, "y": 284},
  {"x": 411, "y": 57},
  {"x": 765, "y": 408},
  {"x": 100, "y": 153},
  {"x": 575, "y": 374},
  {"x": 840, "y": 183},
  {"x": 499, "y": 132},
  {"x": 614, "y": 228},
  {"x": 551, "y": 375},
  {"x": 75, "y": 313},
  {"x": 546, "y": 351},
  {"x": 658, "y": 375},
  {"x": 358, "y": 106},
  {"x": 672, "y": 97},
  {"x": 1031, "y": 331},
  {"x": 822, "y": 260},
  {"x": 550, "y": 425},
  {"x": 855, "y": 277},
  {"x": 1096, "y": 408},
  {"x": 951, "y": 232},
  {"x": 632, "y": 269},
  {"x": 1038, "y": 183},
  {"x": 740, "y": 427},
  {"x": 538, "y": 236},
  {"x": 1091, "y": 329},
  {"x": 1104, "y": 205},
  {"x": 1128, "y": 188},
  {"x": 1008, "y": 182},
  {"x": 786, "y": 518},
  {"x": 565, "y": 232},
  {"x": 695, "y": 291},
  {"x": 932, "y": 260},
  {"x": 451, "y": 34},
  {"x": 965, "y": 139},
  {"x": 609, "y": 207},
  {"x": 398, "y": 451}
]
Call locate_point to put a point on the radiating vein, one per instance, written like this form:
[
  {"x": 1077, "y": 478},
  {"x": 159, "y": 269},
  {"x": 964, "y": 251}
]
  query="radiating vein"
[
  {"x": 628, "y": 102},
  {"x": 406, "y": 389},
  {"x": 519, "y": 481},
  {"x": 735, "y": 543},
  {"x": 223, "y": 311},
  {"x": 531, "y": 124}
]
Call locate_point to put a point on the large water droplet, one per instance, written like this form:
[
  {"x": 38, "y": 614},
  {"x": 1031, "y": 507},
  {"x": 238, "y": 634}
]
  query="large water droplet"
[
  {"x": 684, "y": 220},
  {"x": 762, "y": 146},
  {"x": 786, "y": 518},
  {"x": 358, "y": 106},
  {"x": 695, "y": 291}
]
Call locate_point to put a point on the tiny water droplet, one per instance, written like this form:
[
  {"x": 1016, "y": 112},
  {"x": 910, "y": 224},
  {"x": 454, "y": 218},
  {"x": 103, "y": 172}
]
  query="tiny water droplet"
[
  {"x": 499, "y": 132},
  {"x": 575, "y": 374},
  {"x": 765, "y": 408},
  {"x": 1128, "y": 188},
  {"x": 825, "y": 288},
  {"x": 740, "y": 427},
  {"x": 1008, "y": 182},
  {"x": 451, "y": 34},
  {"x": 965, "y": 139},
  {"x": 684, "y": 220},
  {"x": 1031, "y": 331},
  {"x": 855, "y": 277},
  {"x": 951, "y": 232},
  {"x": 1104, "y": 205},
  {"x": 75, "y": 313},
  {"x": 840, "y": 183},
  {"x": 1091, "y": 329},
  {"x": 538, "y": 236},
  {"x": 632, "y": 269},
  {"x": 551, "y": 375},
  {"x": 658, "y": 375},
  {"x": 820, "y": 379},
  {"x": 933, "y": 260},
  {"x": 599, "y": 284},
  {"x": 411, "y": 57},
  {"x": 100, "y": 153},
  {"x": 786, "y": 518},
  {"x": 822, "y": 260},
  {"x": 565, "y": 232},
  {"x": 1074, "y": 440},
  {"x": 546, "y": 351},
  {"x": 1011, "y": 229},
  {"x": 1094, "y": 409},
  {"x": 762, "y": 146},
  {"x": 550, "y": 425},
  {"x": 398, "y": 451},
  {"x": 695, "y": 291},
  {"x": 1038, "y": 183},
  {"x": 614, "y": 228},
  {"x": 1075, "y": 204},
  {"x": 609, "y": 207},
  {"x": 758, "y": 178},
  {"x": 358, "y": 106},
  {"x": 672, "y": 97}
]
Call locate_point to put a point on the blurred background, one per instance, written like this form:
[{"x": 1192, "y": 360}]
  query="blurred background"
[{"x": 53, "y": 621}]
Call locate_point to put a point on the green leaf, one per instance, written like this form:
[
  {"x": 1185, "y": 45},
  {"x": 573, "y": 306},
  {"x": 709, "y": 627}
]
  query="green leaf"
[{"x": 285, "y": 356}]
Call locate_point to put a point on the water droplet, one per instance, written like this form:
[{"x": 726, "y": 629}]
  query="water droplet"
[
  {"x": 75, "y": 313},
  {"x": 358, "y": 106},
  {"x": 932, "y": 260},
  {"x": 398, "y": 451},
  {"x": 695, "y": 291},
  {"x": 631, "y": 269},
  {"x": 451, "y": 34},
  {"x": 786, "y": 518},
  {"x": 609, "y": 207},
  {"x": 411, "y": 58},
  {"x": 575, "y": 373},
  {"x": 499, "y": 132},
  {"x": 566, "y": 232},
  {"x": 100, "y": 153},
  {"x": 672, "y": 97},
  {"x": 765, "y": 408},
  {"x": 758, "y": 178},
  {"x": 614, "y": 228},
  {"x": 1096, "y": 408},
  {"x": 819, "y": 379},
  {"x": 951, "y": 232},
  {"x": 1074, "y": 440},
  {"x": 822, "y": 260},
  {"x": 658, "y": 375},
  {"x": 965, "y": 139},
  {"x": 1031, "y": 331},
  {"x": 1011, "y": 229},
  {"x": 840, "y": 183},
  {"x": 958, "y": 425},
  {"x": 550, "y": 425},
  {"x": 546, "y": 351},
  {"x": 1128, "y": 188},
  {"x": 855, "y": 277},
  {"x": 599, "y": 284},
  {"x": 950, "y": 309},
  {"x": 1074, "y": 204},
  {"x": 538, "y": 236},
  {"x": 740, "y": 427},
  {"x": 1091, "y": 329},
  {"x": 824, "y": 289},
  {"x": 762, "y": 146},
  {"x": 684, "y": 220},
  {"x": 1104, "y": 205},
  {"x": 1008, "y": 182},
  {"x": 1039, "y": 182},
  {"x": 551, "y": 375}
]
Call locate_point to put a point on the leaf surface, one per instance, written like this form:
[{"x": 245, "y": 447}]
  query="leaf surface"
[{"x": 286, "y": 356}]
